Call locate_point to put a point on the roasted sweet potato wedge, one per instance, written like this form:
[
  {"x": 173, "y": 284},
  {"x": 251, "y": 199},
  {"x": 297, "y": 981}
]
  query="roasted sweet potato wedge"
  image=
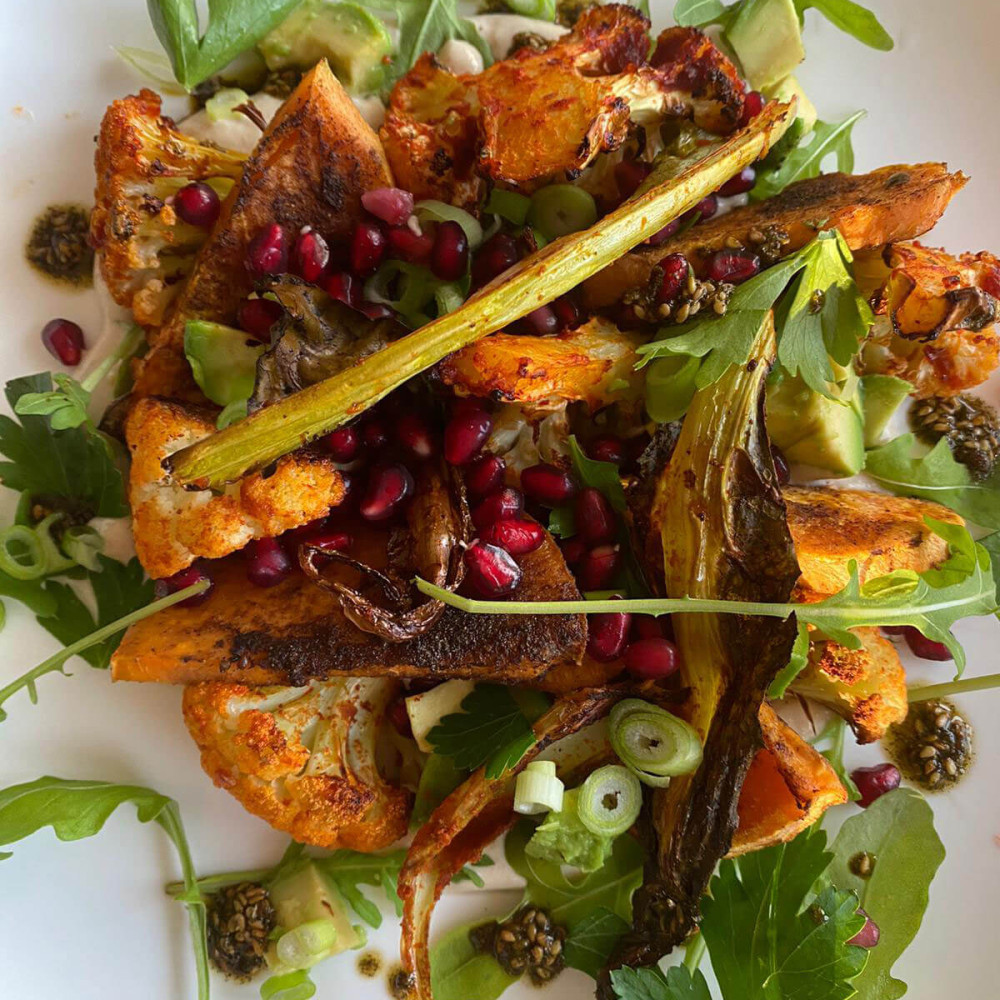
[
  {"x": 934, "y": 317},
  {"x": 295, "y": 631},
  {"x": 310, "y": 168},
  {"x": 145, "y": 251},
  {"x": 881, "y": 533},
  {"x": 866, "y": 686},
  {"x": 578, "y": 365},
  {"x": 172, "y": 527},
  {"x": 889, "y": 204},
  {"x": 788, "y": 787}
]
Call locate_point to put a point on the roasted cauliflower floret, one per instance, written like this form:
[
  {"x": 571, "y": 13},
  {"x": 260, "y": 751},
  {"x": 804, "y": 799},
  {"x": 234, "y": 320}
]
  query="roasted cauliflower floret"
[
  {"x": 145, "y": 250},
  {"x": 546, "y": 114},
  {"x": 579, "y": 365},
  {"x": 303, "y": 758},
  {"x": 173, "y": 527},
  {"x": 934, "y": 317},
  {"x": 866, "y": 686}
]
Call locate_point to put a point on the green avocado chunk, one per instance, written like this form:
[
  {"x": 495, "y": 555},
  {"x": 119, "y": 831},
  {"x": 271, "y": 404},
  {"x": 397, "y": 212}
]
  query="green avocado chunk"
[
  {"x": 223, "y": 360},
  {"x": 814, "y": 430},
  {"x": 881, "y": 396},
  {"x": 348, "y": 36},
  {"x": 767, "y": 38}
]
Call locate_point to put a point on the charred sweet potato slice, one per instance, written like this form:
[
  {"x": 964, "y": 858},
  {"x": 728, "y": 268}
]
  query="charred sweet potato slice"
[
  {"x": 788, "y": 787},
  {"x": 889, "y": 204},
  {"x": 934, "y": 317},
  {"x": 881, "y": 533},
  {"x": 172, "y": 527},
  {"x": 310, "y": 168},
  {"x": 578, "y": 365},
  {"x": 295, "y": 632},
  {"x": 145, "y": 250}
]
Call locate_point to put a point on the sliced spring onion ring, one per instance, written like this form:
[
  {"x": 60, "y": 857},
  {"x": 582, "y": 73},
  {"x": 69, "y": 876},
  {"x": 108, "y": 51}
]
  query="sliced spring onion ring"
[
  {"x": 610, "y": 800},
  {"x": 304, "y": 946},
  {"x": 561, "y": 209},
  {"x": 538, "y": 789},
  {"x": 22, "y": 555},
  {"x": 508, "y": 205},
  {"x": 441, "y": 211},
  {"x": 652, "y": 742},
  {"x": 223, "y": 103}
]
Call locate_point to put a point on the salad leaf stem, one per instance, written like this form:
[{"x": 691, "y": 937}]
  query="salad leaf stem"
[
  {"x": 925, "y": 692},
  {"x": 561, "y": 265}
]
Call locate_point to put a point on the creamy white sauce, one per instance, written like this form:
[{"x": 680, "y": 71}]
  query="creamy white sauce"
[
  {"x": 460, "y": 58},
  {"x": 498, "y": 30},
  {"x": 231, "y": 132}
]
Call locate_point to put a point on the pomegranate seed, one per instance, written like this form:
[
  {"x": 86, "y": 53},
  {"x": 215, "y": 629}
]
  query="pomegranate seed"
[
  {"x": 651, "y": 659},
  {"x": 491, "y": 570},
  {"x": 753, "y": 104},
  {"x": 707, "y": 207},
  {"x": 896, "y": 629},
  {"x": 734, "y": 266},
  {"x": 497, "y": 254},
  {"x": 407, "y": 245},
  {"x": 874, "y": 782},
  {"x": 181, "y": 580},
  {"x": 376, "y": 310},
  {"x": 294, "y": 537},
  {"x": 629, "y": 174},
  {"x": 466, "y": 433},
  {"x": 350, "y": 496},
  {"x": 329, "y": 541},
  {"x": 926, "y": 649},
  {"x": 374, "y": 433},
  {"x": 485, "y": 475},
  {"x": 414, "y": 434},
  {"x": 573, "y": 550},
  {"x": 597, "y": 568},
  {"x": 607, "y": 448},
  {"x": 517, "y": 536},
  {"x": 368, "y": 246},
  {"x": 197, "y": 204},
  {"x": 268, "y": 251},
  {"x": 64, "y": 340},
  {"x": 257, "y": 316},
  {"x": 739, "y": 183},
  {"x": 341, "y": 286},
  {"x": 593, "y": 516},
  {"x": 392, "y": 205},
  {"x": 675, "y": 269},
  {"x": 781, "y": 469},
  {"x": 664, "y": 234},
  {"x": 607, "y": 635},
  {"x": 548, "y": 485},
  {"x": 567, "y": 313},
  {"x": 388, "y": 487},
  {"x": 450, "y": 255},
  {"x": 541, "y": 322},
  {"x": 646, "y": 627},
  {"x": 267, "y": 562},
  {"x": 311, "y": 254},
  {"x": 869, "y": 935},
  {"x": 399, "y": 717},
  {"x": 343, "y": 444},
  {"x": 503, "y": 505}
]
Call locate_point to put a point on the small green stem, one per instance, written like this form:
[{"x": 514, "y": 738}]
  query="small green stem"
[
  {"x": 128, "y": 344},
  {"x": 949, "y": 688},
  {"x": 212, "y": 883},
  {"x": 694, "y": 952}
]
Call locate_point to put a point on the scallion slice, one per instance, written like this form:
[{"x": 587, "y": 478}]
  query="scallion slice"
[
  {"x": 508, "y": 205},
  {"x": 610, "y": 800},
  {"x": 561, "y": 209},
  {"x": 653, "y": 743},
  {"x": 306, "y": 945},
  {"x": 441, "y": 211},
  {"x": 538, "y": 789}
]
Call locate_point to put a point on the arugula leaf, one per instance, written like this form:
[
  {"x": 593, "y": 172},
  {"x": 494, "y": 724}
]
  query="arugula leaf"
[
  {"x": 826, "y": 139},
  {"x": 834, "y": 733},
  {"x": 593, "y": 939},
  {"x": 698, "y": 13},
  {"x": 233, "y": 27},
  {"x": 459, "y": 971},
  {"x": 79, "y": 809},
  {"x": 438, "y": 779},
  {"x": 796, "y": 664},
  {"x": 768, "y": 940},
  {"x": 76, "y": 464},
  {"x": 491, "y": 729},
  {"x": 119, "y": 589},
  {"x": 289, "y": 986},
  {"x": 934, "y": 476},
  {"x": 852, "y": 18},
  {"x": 651, "y": 984},
  {"x": 348, "y": 870},
  {"x": 898, "y": 829}
]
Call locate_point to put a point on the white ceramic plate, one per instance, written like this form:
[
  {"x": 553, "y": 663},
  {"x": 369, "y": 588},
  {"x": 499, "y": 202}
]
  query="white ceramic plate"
[{"x": 88, "y": 920}]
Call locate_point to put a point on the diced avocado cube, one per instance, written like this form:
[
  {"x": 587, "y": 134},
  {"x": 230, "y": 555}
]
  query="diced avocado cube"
[
  {"x": 352, "y": 39},
  {"x": 784, "y": 90},
  {"x": 223, "y": 360},
  {"x": 881, "y": 396},
  {"x": 767, "y": 38}
]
